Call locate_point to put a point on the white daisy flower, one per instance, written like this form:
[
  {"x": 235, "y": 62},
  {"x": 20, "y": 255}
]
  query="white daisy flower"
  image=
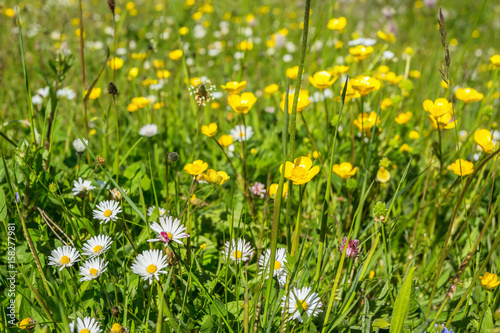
[
  {"x": 161, "y": 211},
  {"x": 309, "y": 301},
  {"x": 63, "y": 256},
  {"x": 149, "y": 265},
  {"x": 97, "y": 245},
  {"x": 85, "y": 325},
  {"x": 148, "y": 130},
  {"x": 240, "y": 133},
  {"x": 79, "y": 146},
  {"x": 82, "y": 186},
  {"x": 92, "y": 269},
  {"x": 169, "y": 229},
  {"x": 279, "y": 263},
  {"x": 107, "y": 211},
  {"x": 237, "y": 250}
]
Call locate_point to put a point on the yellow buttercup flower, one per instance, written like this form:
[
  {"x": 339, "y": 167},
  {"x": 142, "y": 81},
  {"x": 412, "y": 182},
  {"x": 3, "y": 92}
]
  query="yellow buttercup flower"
[
  {"x": 484, "y": 139},
  {"x": 163, "y": 74},
  {"x": 212, "y": 177},
  {"x": 302, "y": 102},
  {"x": 437, "y": 108},
  {"x": 489, "y": 281},
  {"x": 392, "y": 78},
  {"x": 344, "y": 170},
  {"x": 226, "y": 140},
  {"x": 445, "y": 122},
  {"x": 234, "y": 87},
  {"x": 133, "y": 72},
  {"x": 195, "y": 82},
  {"x": 337, "y": 24},
  {"x": 365, "y": 84},
  {"x": 115, "y": 63},
  {"x": 322, "y": 79},
  {"x": 405, "y": 148},
  {"x": 468, "y": 95},
  {"x": 360, "y": 52},
  {"x": 414, "y": 135},
  {"x": 196, "y": 168},
  {"x": 339, "y": 69},
  {"x": 495, "y": 60},
  {"x": 388, "y": 37},
  {"x": 223, "y": 177},
  {"x": 242, "y": 104},
  {"x": 293, "y": 72},
  {"x": 271, "y": 89},
  {"x": 116, "y": 328},
  {"x": 175, "y": 55},
  {"x": 383, "y": 175},
  {"x": 386, "y": 102},
  {"x": 209, "y": 130},
  {"x": 366, "y": 121},
  {"x": 349, "y": 94},
  {"x": 415, "y": 74},
  {"x": 95, "y": 93},
  {"x": 462, "y": 167},
  {"x": 245, "y": 46},
  {"x": 300, "y": 172},
  {"x": 183, "y": 31},
  {"x": 26, "y": 324},
  {"x": 273, "y": 189},
  {"x": 403, "y": 117}
]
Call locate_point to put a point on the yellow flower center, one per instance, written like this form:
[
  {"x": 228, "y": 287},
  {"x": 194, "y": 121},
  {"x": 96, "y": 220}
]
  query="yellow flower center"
[
  {"x": 85, "y": 331},
  {"x": 169, "y": 235},
  {"x": 93, "y": 271},
  {"x": 299, "y": 172},
  {"x": 237, "y": 254},
  {"x": 98, "y": 249},
  {"x": 65, "y": 260},
  {"x": 151, "y": 269},
  {"x": 107, "y": 213},
  {"x": 242, "y": 134},
  {"x": 303, "y": 303},
  {"x": 277, "y": 265}
]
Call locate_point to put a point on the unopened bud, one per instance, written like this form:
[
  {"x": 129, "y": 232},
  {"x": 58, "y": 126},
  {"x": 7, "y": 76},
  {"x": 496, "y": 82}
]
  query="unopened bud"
[{"x": 173, "y": 156}]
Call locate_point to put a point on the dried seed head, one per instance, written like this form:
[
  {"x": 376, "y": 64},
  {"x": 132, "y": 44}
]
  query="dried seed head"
[
  {"x": 100, "y": 161},
  {"x": 173, "y": 156},
  {"x": 115, "y": 311},
  {"x": 171, "y": 259},
  {"x": 111, "y": 5},
  {"x": 112, "y": 90}
]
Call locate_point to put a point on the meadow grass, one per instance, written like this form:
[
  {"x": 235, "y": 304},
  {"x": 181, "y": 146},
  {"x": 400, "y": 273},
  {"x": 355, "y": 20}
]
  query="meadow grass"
[{"x": 167, "y": 167}]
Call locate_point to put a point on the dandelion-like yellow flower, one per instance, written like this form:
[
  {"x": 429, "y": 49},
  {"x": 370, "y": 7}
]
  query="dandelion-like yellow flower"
[
  {"x": 438, "y": 108},
  {"x": 484, "y": 139},
  {"x": 226, "y": 140},
  {"x": 361, "y": 52},
  {"x": 300, "y": 172},
  {"x": 322, "y": 79},
  {"x": 115, "y": 63},
  {"x": 462, "y": 167},
  {"x": 209, "y": 130},
  {"x": 489, "y": 281},
  {"x": 344, "y": 170},
  {"x": 383, "y": 175},
  {"x": 302, "y": 102},
  {"x": 403, "y": 117},
  {"x": 175, "y": 55},
  {"x": 242, "y": 104},
  {"x": 468, "y": 95},
  {"x": 116, "y": 328},
  {"x": 495, "y": 60},
  {"x": 196, "y": 167},
  {"x": 337, "y": 24},
  {"x": 365, "y": 84},
  {"x": 273, "y": 189},
  {"x": 234, "y": 87},
  {"x": 366, "y": 121},
  {"x": 388, "y": 37}
]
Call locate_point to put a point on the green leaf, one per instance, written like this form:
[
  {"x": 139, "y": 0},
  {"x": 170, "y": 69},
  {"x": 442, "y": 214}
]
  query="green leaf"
[
  {"x": 3, "y": 206},
  {"x": 380, "y": 323},
  {"x": 401, "y": 305},
  {"x": 487, "y": 324}
]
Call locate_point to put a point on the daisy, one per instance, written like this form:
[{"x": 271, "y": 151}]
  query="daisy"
[
  {"x": 310, "y": 303},
  {"x": 240, "y": 133},
  {"x": 148, "y": 130},
  {"x": 169, "y": 229},
  {"x": 149, "y": 265},
  {"x": 82, "y": 186},
  {"x": 87, "y": 325},
  {"x": 237, "y": 251},
  {"x": 63, "y": 256},
  {"x": 161, "y": 211},
  {"x": 279, "y": 263},
  {"x": 96, "y": 246},
  {"x": 107, "y": 211},
  {"x": 92, "y": 269}
]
